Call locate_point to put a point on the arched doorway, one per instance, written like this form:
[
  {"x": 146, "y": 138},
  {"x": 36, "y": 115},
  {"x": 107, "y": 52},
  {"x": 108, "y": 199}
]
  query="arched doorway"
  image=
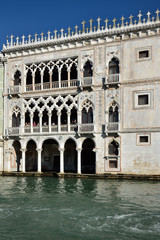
[
  {"x": 70, "y": 157},
  {"x": 50, "y": 156},
  {"x": 31, "y": 157},
  {"x": 17, "y": 153},
  {"x": 88, "y": 161}
]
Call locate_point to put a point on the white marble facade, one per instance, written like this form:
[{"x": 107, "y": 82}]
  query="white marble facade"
[{"x": 84, "y": 102}]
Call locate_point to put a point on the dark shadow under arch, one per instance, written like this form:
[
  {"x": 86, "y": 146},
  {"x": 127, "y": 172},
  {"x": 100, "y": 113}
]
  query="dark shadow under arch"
[
  {"x": 17, "y": 148},
  {"x": 70, "y": 157},
  {"x": 31, "y": 157},
  {"x": 88, "y": 159},
  {"x": 50, "y": 156}
]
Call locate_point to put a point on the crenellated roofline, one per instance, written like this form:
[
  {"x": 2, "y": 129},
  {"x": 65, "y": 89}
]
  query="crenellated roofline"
[{"x": 107, "y": 32}]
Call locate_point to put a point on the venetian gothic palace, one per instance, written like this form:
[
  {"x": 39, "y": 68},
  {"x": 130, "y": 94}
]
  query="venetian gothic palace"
[{"x": 84, "y": 101}]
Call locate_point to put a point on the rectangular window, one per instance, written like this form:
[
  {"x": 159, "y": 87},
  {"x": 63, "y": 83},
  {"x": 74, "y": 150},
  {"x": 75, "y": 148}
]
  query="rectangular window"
[
  {"x": 143, "y": 139},
  {"x": 143, "y": 54},
  {"x": 113, "y": 164},
  {"x": 143, "y": 99}
]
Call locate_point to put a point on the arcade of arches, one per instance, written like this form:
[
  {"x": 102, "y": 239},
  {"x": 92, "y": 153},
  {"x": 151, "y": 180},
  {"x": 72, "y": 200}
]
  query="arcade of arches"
[{"x": 52, "y": 158}]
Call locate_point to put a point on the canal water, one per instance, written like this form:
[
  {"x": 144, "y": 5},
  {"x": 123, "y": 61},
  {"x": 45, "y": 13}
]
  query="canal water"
[{"x": 66, "y": 209}]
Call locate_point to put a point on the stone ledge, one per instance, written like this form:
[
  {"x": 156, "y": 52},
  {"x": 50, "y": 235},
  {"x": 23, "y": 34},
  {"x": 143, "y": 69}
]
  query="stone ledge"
[{"x": 117, "y": 176}]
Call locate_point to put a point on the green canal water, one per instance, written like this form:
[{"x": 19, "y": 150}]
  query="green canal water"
[{"x": 91, "y": 209}]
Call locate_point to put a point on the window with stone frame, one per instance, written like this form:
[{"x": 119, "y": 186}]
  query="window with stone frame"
[
  {"x": 87, "y": 112},
  {"x": 88, "y": 72},
  {"x": 143, "y": 99},
  {"x": 114, "y": 66},
  {"x": 16, "y": 117},
  {"x": 143, "y": 54}
]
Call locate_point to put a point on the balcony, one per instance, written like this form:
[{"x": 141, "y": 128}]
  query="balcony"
[
  {"x": 14, "y": 131},
  {"x": 113, "y": 127},
  {"x": 87, "y": 82},
  {"x": 52, "y": 85},
  {"x": 113, "y": 78},
  {"x": 13, "y": 90},
  {"x": 86, "y": 128}
]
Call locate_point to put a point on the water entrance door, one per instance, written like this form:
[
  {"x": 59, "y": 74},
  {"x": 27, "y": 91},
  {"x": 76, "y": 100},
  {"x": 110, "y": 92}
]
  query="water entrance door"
[{"x": 56, "y": 163}]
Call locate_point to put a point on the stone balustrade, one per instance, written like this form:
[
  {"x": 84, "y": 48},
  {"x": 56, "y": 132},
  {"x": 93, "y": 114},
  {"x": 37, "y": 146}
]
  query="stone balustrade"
[
  {"x": 15, "y": 89},
  {"x": 113, "y": 78},
  {"x": 53, "y": 85},
  {"x": 113, "y": 126},
  {"x": 86, "y": 128}
]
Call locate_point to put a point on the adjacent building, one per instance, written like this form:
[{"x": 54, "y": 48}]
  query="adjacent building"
[{"x": 85, "y": 101}]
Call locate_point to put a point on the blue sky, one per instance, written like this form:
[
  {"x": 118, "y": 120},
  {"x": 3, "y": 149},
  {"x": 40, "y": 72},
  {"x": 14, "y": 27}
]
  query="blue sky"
[{"x": 33, "y": 16}]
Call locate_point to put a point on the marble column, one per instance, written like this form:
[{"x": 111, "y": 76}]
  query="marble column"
[
  {"x": 59, "y": 78},
  {"x": 49, "y": 121},
  {"x": 61, "y": 160},
  {"x": 42, "y": 80},
  {"x": 40, "y": 122},
  {"x": 68, "y": 77},
  {"x": 69, "y": 121},
  {"x": 22, "y": 123},
  {"x": 96, "y": 158},
  {"x": 79, "y": 160},
  {"x": 39, "y": 150},
  {"x": 23, "y": 159},
  {"x": 33, "y": 81},
  {"x": 31, "y": 122},
  {"x": 59, "y": 121}
]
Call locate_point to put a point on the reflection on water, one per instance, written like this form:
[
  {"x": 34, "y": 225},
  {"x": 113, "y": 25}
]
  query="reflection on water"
[{"x": 58, "y": 208}]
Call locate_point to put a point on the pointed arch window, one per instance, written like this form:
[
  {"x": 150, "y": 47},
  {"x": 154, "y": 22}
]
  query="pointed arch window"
[
  {"x": 113, "y": 148},
  {"x": 17, "y": 78},
  {"x": 16, "y": 117},
  {"x": 87, "y": 69},
  {"x": 46, "y": 76},
  {"x": 114, "y": 66},
  {"x": 55, "y": 74},
  {"x": 73, "y": 74},
  {"x": 29, "y": 77},
  {"x": 113, "y": 113},
  {"x": 87, "y": 112},
  {"x": 64, "y": 73},
  {"x": 37, "y": 76}
]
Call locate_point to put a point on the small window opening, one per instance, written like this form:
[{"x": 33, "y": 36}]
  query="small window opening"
[
  {"x": 144, "y": 54},
  {"x": 143, "y": 139},
  {"x": 143, "y": 99},
  {"x": 113, "y": 164}
]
